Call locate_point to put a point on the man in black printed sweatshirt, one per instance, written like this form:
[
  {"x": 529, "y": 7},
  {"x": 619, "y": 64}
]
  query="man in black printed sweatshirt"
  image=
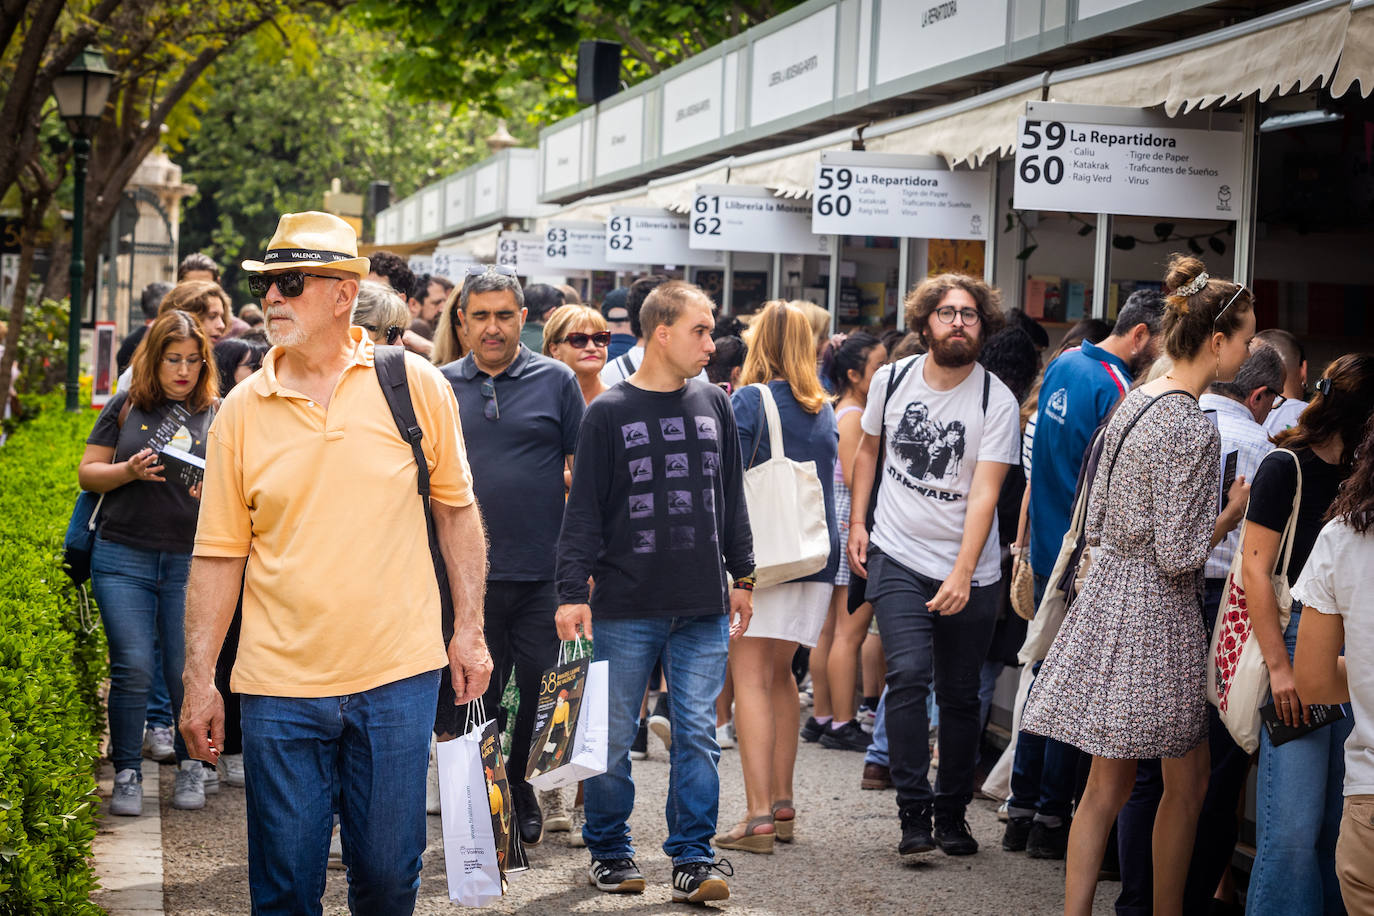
[{"x": 656, "y": 516}]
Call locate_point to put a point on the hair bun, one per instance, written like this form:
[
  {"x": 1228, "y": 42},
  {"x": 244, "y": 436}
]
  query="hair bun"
[{"x": 1182, "y": 270}]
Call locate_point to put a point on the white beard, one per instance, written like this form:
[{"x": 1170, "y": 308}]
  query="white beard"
[{"x": 292, "y": 337}]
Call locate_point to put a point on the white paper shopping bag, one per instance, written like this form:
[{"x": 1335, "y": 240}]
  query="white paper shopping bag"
[
  {"x": 469, "y": 806},
  {"x": 570, "y": 726}
]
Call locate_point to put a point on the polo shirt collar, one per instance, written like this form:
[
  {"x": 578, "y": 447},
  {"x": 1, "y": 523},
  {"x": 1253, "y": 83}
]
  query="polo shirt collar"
[
  {"x": 467, "y": 366},
  {"x": 1093, "y": 351},
  {"x": 267, "y": 384}
]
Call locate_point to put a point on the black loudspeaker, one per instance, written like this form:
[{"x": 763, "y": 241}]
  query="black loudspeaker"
[
  {"x": 378, "y": 197},
  {"x": 598, "y": 70}
]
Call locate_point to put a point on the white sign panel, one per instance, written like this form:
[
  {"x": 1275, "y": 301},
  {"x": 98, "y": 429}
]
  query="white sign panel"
[
  {"x": 563, "y": 158},
  {"x": 794, "y": 68},
  {"x": 915, "y": 197},
  {"x": 451, "y": 262},
  {"x": 430, "y": 201},
  {"x": 918, "y": 36},
  {"x": 487, "y": 187},
  {"x": 692, "y": 108},
  {"x": 740, "y": 218},
  {"x": 576, "y": 245},
  {"x": 456, "y": 202},
  {"x": 620, "y": 137},
  {"x": 1132, "y": 170},
  {"x": 410, "y": 220},
  {"x": 648, "y": 236},
  {"x": 521, "y": 251},
  {"x": 420, "y": 264}
]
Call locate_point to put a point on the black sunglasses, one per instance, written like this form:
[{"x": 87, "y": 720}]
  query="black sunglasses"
[
  {"x": 477, "y": 270},
  {"x": 578, "y": 340},
  {"x": 291, "y": 283},
  {"x": 393, "y": 333},
  {"x": 492, "y": 411}
]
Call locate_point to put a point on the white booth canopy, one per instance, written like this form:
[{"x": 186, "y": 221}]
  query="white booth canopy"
[
  {"x": 970, "y": 130},
  {"x": 1357, "y": 56},
  {"x": 1293, "y": 49},
  {"x": 675, "y": 192},
  {"x": 480, "y": 243},
  {"x": 791, "y": 170},
  {"x": 594, "y": 209}
]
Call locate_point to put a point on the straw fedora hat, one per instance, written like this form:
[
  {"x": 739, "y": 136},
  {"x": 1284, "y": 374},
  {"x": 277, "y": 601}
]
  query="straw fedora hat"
[{"x": 312, "y": 239}]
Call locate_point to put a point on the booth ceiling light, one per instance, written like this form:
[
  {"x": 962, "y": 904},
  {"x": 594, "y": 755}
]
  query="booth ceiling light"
[{"x": 1298, "y": 119}]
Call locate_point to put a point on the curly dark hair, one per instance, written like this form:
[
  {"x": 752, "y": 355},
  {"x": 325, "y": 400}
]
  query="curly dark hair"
[
  {"x": 394, "y": 268},
  {"x": 922, "y": 302},
  {"x": 1354, "y": 503}
]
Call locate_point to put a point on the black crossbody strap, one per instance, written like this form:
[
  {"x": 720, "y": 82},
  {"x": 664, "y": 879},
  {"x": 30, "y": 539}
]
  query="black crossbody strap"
[
  {"x": 894, "y": 381},
  {"x": 1111, "y": 465},
  {"x": 391, "y": 374},
  {"x": 987, "y": 389}
]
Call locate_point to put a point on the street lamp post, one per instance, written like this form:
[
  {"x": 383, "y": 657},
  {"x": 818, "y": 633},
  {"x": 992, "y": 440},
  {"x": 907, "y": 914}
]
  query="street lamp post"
[{"x": 81, "y": 92}]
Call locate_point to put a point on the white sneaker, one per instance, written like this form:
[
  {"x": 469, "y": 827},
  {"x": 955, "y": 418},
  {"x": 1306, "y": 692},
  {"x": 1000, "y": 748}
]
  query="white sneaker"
[
  {"x": 157, "y": 744},
  {"x": 578, "y": 819},
  {"x": 725, "y": 735},
  {"x": 230, "y": 767},
  {"x": 1003, "y": 814},
  {"x": 335, "y": 849},
  {"x": 867, "y": 718},
  {"x": 210, "y": 780},
  {"x": 661, "y": 727},
  {"x": 556, "y": 818},
  {"x": 432, "y": 801},
  {"x": 189, "y": 794},
  {"x": 127, "y": 800}
]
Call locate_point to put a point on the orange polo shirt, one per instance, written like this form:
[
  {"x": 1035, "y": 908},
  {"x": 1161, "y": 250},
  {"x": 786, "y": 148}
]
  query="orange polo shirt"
[{"x": 339, "y": 594}]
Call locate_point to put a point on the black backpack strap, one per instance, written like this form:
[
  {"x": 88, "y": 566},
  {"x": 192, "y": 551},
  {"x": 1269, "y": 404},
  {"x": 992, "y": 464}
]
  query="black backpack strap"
[
  {"x": 627, "y": 365},
  {"x": 894, "y": 380},
  {"x": 390, "y": 363},
  {"x": 987, "y": 389}
]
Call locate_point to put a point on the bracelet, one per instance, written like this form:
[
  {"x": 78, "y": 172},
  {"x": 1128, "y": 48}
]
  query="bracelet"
[{"x": 745, "y": 582}]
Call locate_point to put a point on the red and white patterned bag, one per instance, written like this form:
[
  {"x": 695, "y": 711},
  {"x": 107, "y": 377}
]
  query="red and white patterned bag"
[{"x": 1237, "y": 679}]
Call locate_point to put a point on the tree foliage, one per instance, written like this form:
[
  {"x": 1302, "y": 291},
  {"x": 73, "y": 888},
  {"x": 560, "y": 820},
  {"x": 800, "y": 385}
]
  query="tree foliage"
[
  {"x": 473, "y": 50},
  {"x": 283, "y": 115}
]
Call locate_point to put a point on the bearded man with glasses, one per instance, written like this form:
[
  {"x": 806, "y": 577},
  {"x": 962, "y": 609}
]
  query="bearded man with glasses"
[
  {"x": 339, "y": 662},
  {"x": 522, "y": 411}
]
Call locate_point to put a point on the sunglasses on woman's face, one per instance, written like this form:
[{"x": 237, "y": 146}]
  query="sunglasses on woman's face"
[
  {"x": 393, "y": 333},
  {"x": 578, "y": 340},
  {"x": 290, "y": 283}
]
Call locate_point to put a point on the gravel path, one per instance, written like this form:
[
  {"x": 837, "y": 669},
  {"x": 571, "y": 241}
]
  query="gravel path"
[{"x": 844, "y": 858}]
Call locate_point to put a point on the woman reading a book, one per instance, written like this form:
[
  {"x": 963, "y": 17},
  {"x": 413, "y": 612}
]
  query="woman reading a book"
[{"x": 147, "y": 525}]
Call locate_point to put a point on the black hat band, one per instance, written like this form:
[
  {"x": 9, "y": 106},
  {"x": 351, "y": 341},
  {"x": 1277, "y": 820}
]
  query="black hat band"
[{"x": 305, "y": 254}]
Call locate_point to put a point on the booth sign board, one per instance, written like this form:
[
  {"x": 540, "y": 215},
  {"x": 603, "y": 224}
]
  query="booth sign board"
[
  {"x": 741, "y": 218},
  {"x": 576, "y": 245},
  {"x": 902, "y": 196},
  {"x": 1127, "y": 161},
  {"x": 451, "y": 262},
  {"x": 641, "y": 235},
  {"x": 521, "y": 251}
]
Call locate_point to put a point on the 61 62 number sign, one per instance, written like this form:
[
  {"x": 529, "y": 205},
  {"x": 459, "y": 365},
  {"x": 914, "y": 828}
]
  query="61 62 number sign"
[
  {"x": 1051, "y": 135},
  {"x": 708, "y": 224},
  {"x": 830, "y": 197},
  {"x": 621, "y": 237}
]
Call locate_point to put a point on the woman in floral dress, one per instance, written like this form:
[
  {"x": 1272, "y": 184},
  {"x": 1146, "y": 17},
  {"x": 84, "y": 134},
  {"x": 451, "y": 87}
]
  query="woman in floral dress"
[{"x": 1126, "y": 679}]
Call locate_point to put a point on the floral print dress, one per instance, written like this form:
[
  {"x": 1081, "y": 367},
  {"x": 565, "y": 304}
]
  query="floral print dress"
[{"x": 1126, "y": 677}]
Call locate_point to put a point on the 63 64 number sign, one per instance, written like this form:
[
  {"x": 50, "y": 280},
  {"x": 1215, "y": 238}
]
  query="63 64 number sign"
[
  {"x": 558, "y": 243},
  {"x": 1038, "y": 135}
]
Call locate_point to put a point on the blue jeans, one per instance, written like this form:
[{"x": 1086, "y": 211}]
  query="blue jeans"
[
  {"x": 693, "y": 651},
  {"x": 924, "y": 648},
  {"x": 375, "y": 744},
  {"x": 142, "y": 599},
  {"x": 159, "y": 698},
  {"x": 877, "y": 751},
  {"x": 1298, "y": 814}
]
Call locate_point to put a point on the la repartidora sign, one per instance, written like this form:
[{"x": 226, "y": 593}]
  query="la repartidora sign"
[
  {"x": 1128, "y": 161},
  {"x": 902, "y": 196},
  {"x": 747, "y": 218},
  {"x": 642, "y": 235}
]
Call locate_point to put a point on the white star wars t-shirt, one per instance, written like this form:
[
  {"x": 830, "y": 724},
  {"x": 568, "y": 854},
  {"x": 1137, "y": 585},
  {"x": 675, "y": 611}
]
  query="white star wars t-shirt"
[{"x": 934, "y": 441}]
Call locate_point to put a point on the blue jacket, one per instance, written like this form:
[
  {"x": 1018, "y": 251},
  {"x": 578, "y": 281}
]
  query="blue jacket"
[
  {"x": 1080, "y": 388},
  {"x": 805, "y": 437}
]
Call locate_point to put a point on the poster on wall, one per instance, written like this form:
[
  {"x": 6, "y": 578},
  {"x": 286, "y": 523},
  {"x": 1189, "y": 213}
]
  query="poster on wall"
[
  {"x": 745, "y": 218},
  {"x": 1127, "y": 161},
  {"x": 103, "y": 363},
  {"x": 901, "y": 196}
]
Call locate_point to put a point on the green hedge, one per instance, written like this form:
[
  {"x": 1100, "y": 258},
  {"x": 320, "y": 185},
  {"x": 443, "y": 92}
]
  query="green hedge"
[{"x": 51, "y": 669}]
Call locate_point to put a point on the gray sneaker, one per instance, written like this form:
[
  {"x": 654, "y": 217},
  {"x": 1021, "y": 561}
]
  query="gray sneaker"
[
  {"x": 189, "y": 794},
  {"x": 231, "y": 770},
  {"x": 127, "y": 800},
  {"x": 209, "y": 780},
  {"x": 157, "y": 744}
]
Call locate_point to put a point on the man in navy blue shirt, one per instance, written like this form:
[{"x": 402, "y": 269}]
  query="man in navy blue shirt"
[
  {"x": 522, "y": 413},
  {"x": 1080, "y": 388}
]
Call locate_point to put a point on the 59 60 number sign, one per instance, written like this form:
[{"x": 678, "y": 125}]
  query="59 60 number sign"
[
  {"x": 830, "y": 187},
  {"x": 1051, "y": 136}
]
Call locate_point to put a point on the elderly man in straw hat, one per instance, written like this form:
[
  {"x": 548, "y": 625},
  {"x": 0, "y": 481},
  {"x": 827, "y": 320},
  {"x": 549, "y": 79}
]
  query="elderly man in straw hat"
[{"x": 309, "y": 485}]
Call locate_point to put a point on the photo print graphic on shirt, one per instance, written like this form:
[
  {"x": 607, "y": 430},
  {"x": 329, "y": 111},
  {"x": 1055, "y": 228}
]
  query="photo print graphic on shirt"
[
  {"x": 706, "y": 428},
  {"x": 636, "y": 434},
  {"x": 1057, "y": 407},
  {"x": 672, "y": 428},
  {"x": 682, "y": 537},
  {"x": 679, "y": 502},
  {"x": 710, "y": 463},
  {"x": 926, "y": 449},
  {"x": 675, "y": 465},
  {"x": 643, "y": 541},
  {"x": 641, "y": 505},
  {"x": 708, "y": 500},
  {"x": 641, "y": 469}
]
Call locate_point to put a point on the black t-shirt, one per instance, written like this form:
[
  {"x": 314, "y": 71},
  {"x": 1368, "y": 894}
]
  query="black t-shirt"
[
  {"x": 1271, "y": 499},
  {"x": 657, "y": 498},
  {"x": 125, "y": 354},
  {"x": 144, "y": 513}
]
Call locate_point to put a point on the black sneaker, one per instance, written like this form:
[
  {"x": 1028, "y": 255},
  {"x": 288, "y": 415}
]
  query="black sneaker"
[
  {"x": 848, "y": 737},
  {"x": 916, "y": 837},
  {"x": 616, "y": 876},
  {"x": 1046, "y": 842},
  {"x": 812, "y": 730},
  {"x": 1018, "y": 828},
  {"x": 694, "y": 883},
  {"x": 953, "y": 836},
  {"x": 639, "y": 748}
]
